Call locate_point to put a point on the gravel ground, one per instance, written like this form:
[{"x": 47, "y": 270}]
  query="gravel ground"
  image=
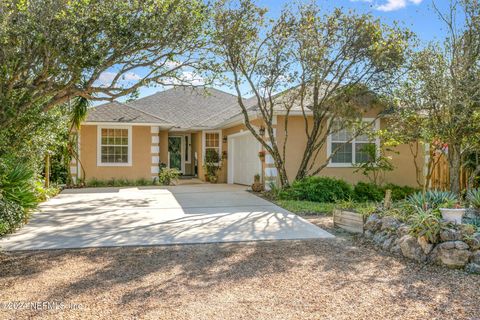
[{"x": 328, "y": 279}]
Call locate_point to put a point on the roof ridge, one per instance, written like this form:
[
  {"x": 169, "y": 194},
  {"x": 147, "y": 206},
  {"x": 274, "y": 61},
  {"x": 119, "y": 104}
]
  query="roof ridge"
[
  {"x": 223, "y": 111},
  {"x": 230, "y": 94},
  {"x": 147, "y": 113}
]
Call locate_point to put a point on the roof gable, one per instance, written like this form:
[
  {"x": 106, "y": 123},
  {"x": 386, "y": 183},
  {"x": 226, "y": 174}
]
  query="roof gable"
[
  {"x": 117, "y": 112},
  {"x": 188, "y": 107}
]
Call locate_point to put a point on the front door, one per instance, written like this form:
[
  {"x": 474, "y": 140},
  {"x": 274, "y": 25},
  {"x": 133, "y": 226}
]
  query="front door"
[{"x": 175, "y": 151}]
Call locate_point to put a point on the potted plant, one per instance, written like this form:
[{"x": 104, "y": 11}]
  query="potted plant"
[
  {"x": 257, "y": 186},
  {"x": 167, "y": 176},
  {"x": 261, "y": 155},
  {"x": 452, "y": 211},
  {"x": 212, "y": 165}
]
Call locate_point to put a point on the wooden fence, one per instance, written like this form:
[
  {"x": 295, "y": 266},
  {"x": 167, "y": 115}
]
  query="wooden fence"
[{"x": 440, "y": 179}]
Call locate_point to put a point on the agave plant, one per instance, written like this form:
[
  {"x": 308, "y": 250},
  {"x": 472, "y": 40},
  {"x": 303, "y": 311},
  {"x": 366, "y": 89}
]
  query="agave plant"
[
  {"x": 426, "y": 223},
  {"x": 473, "y": 198},
  {"x": 432, "y": 199}
]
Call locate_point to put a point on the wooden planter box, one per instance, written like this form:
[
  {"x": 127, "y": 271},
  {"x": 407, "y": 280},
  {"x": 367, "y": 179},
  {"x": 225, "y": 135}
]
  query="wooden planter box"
[{"x": 347, "y": 220}]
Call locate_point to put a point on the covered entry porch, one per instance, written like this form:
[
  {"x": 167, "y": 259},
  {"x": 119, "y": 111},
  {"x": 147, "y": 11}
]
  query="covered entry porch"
[{"x": 183, "y": 152}]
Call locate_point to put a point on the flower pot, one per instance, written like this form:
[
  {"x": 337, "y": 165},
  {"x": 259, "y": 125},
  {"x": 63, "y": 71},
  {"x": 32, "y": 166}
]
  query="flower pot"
[
  {"x": 213, "y": 179},
  {"x": 453, "y": 215},
  {"x": 257, "y": 187}
]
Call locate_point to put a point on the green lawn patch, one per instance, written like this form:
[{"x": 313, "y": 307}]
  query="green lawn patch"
[{"x": 307, "y": 207}]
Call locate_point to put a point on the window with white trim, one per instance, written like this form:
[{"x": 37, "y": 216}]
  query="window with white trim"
[
  {"x": 114, "y": 146},
  {"x": 212, "y": 141},
  {"x": 350, "y": 151}
]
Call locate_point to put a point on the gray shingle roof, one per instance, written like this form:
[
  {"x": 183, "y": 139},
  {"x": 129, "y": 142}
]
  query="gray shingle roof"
[
  {"x": 119, "y": 112},
  {"x": 188, "y": 107}
]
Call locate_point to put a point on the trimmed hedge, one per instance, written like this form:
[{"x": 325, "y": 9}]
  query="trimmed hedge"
[
  {"x": 325, "y": 189},
  {"x": 318, "y": 189},
  {"x": 365, "y": 191},
  {"x": 399, "y": 192}
]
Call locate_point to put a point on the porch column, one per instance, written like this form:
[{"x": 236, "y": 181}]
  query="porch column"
[{"x": 155, "y": 151}]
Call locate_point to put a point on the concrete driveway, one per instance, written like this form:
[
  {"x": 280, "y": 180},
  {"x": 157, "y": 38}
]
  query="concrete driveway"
[{"x": 99, "y": 217}]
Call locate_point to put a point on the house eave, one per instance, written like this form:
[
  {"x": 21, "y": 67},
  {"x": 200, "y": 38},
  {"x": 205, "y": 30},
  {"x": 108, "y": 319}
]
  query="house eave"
[{"x": 117, "y": 123}]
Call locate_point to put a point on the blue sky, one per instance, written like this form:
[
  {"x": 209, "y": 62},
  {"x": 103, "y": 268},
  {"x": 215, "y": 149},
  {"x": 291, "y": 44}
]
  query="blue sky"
[{"x": 417, "y": 15}]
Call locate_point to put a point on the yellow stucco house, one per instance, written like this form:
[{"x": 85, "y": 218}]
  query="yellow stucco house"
[{"x": 176, "y": 126}]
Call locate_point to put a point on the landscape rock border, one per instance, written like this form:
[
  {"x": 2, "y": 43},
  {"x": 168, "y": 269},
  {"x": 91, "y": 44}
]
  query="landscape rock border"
[{"x": 454, "y": 250}]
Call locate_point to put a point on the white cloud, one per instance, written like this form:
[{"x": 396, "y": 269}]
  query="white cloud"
[
  {"x": 130, "y": 76},
  {"x": 392, "y": 5},
  {"x": 106, "y": 78},
  {"x": 186, "y": 78}
]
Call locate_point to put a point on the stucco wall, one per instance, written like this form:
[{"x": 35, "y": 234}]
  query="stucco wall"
[
  {"x": 403, "y": 174},
  {"x": 163, "y": 138},
  {"x": 141, "y": 155}
]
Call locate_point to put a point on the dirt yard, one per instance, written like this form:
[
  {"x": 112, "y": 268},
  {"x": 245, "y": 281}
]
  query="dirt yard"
[{"x": 328, "y": 279}]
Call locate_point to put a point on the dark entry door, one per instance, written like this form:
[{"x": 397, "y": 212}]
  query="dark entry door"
[{"x": 175, "y": 150}]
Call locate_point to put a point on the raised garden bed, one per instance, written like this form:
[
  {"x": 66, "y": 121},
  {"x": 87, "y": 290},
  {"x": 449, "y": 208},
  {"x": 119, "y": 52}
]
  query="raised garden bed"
[{"x": 348, "y": 220}]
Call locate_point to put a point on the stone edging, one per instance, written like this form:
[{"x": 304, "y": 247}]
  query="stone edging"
[{"x": 454, "y": 250}]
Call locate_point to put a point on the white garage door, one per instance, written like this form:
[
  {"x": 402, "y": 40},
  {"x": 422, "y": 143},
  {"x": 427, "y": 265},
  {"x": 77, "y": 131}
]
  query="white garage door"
[{"x": 244, "y": 162}]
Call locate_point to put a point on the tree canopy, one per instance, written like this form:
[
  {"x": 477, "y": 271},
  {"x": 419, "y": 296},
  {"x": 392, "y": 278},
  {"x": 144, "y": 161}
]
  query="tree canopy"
[
  {"x": 55, "y": 50},
  {"x": 442, "y": 88},
  {"x": 332, "y": 65}
]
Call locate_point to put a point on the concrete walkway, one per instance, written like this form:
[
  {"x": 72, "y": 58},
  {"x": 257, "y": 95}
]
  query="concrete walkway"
[{"x": 98, "y": 217}]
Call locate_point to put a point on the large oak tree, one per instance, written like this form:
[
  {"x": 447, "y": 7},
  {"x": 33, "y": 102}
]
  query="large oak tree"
[
  {"x": 54, "y": 50},
  {"x": 332, "y": 65}
]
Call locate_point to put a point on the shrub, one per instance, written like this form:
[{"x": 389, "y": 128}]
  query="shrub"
[
  {"x": 115, "y": 182},
  {"x": 95, "y": 183},
  {"x": 427, "y": 223},
  {"x": 17, "y": 184},
  {"x": 212, "y": 160},
  {"x": 167, "y": 175},
  {"x": 12, "y": 215},
  {"x": 273, "y": 191},
  {"x": 143, "y": 182},
  {"x": 365, "y": 191},
  {"x": 43, "y": 193},
  {"x": 318, "y": 189},
  {"x": 473, "y": 198},
  {"x": 399, "y": 192},
  {"x": 475, "y": 222},
  {"x": 371, "y": 192}
]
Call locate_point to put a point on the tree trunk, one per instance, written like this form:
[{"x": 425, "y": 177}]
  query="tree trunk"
[
  {"x": 454, "y": 161},
  {"x": 47, "y": 171},
  {"x": 282, "y": 174}
]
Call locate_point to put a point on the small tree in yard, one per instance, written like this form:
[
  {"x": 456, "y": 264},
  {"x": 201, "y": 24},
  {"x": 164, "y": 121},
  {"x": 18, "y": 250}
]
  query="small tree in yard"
[
  {"x": 407, "y": 126},
  {"x": 334, "y": 67},
  {"x": 443, "y": 87},
  {"x": 376, "y": 165}
]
